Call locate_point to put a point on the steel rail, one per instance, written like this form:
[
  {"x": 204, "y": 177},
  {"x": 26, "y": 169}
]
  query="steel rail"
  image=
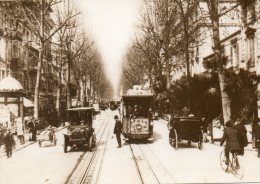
[
  {"x": 89, "y": 156},
  {"x": 93, "y": 161},
  {"x": 138, "y": 166}
]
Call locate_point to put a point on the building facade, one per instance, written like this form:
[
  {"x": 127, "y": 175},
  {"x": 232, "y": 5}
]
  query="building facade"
[{"x": 19, "y": 51}]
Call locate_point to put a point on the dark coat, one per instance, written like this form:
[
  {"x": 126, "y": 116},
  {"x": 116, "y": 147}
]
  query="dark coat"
[
  {"x": 118, "y": 127},
  {"x": 257, "y": 132},
  {"x": 232, "y": 139},
  {"x": 8, "y": 139},
  {"x": 242, "y": 134}
]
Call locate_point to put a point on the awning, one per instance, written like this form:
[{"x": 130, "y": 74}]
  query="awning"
[{"x": 27, "y": 102}]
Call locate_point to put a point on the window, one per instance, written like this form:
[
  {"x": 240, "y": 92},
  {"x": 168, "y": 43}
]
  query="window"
[
  {"x": 235, "y": 54},
  {"x": 15, "y": 52},
  {"x": 251, "y": 51}
]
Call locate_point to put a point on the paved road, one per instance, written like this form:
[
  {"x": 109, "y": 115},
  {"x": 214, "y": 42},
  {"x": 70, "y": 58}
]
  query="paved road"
[{"x": 155, "y": 162}]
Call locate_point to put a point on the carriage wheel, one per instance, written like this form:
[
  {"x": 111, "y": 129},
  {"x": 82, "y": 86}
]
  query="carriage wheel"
[{"x": 174, "y": 140}]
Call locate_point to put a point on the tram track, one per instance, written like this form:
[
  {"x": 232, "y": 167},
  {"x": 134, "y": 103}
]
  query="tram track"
[
  {"x": 85, "y": 169},
  {"x": 150, "y": 170}
]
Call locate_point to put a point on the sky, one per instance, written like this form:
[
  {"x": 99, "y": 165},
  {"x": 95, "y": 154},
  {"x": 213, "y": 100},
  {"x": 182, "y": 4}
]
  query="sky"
[{"x": 112, "y": 24}]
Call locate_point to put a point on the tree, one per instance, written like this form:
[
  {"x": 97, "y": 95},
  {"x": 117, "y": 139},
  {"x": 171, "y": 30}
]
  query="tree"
[
  {"x": 134, "y": 69},
  {"x": 37, "y": 14},
  {"x": 188, "y": 10},
  {"x": 214, "y": 13},
  {"x": 158, "y": 40}
]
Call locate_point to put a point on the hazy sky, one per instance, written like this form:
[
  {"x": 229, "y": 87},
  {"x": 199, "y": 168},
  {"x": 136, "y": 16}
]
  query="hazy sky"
[{"x": 112, "y": 23}]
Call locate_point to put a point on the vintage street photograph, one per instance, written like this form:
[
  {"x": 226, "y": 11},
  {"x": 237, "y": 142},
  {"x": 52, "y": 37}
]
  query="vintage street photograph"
[{"x": 129, "y": 91}]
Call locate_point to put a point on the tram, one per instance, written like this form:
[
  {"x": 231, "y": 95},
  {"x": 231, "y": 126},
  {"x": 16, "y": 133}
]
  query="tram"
[
  {"x": 137, "y": 116},
  {"x": 114, "y": 104}
]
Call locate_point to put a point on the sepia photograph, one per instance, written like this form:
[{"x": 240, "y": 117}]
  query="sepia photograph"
[{"x": 129, "y": 91}]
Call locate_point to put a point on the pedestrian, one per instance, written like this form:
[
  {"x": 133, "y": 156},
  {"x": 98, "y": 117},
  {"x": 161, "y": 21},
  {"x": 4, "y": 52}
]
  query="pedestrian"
[
  {"x": 257, "y": 138},
  {"x": 20, "y": 129},
  {"x": 33, "y": 130},
  {"x": 2, "y": 132},
  {"x": 205, "y": 129},
  {"x": 242, "y": 133},
  {"x": 118, "y": 130},
  {"x": 185, "y": 111},
  {"x": 9, "y": 143}
]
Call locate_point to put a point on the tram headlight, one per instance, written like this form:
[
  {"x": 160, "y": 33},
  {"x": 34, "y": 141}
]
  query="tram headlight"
[{"x": 138, "y": 127}]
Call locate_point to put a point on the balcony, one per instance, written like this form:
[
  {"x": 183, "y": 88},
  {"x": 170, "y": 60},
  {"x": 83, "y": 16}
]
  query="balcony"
[
  {"x": 32, "y": 46},
  {"x": 13, "y": 35}
]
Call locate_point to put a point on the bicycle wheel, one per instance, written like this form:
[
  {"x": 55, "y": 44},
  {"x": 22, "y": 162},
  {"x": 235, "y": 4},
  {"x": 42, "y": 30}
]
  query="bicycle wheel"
[
  {"x": 237, "y": 167},
  {"x": 223, "y": 164}
]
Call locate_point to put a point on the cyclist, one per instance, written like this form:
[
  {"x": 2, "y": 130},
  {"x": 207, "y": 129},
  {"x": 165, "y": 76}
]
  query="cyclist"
[{"x": 231, "y": 137}]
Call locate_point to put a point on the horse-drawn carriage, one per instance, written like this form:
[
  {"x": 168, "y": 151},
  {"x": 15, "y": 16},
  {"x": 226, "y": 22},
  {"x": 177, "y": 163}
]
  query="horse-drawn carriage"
[
  {"x": 185, "y": 128},
  {"x": 80, "y": 133}
]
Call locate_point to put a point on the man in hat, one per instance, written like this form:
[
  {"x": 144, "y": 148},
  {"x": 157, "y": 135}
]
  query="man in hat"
[
  {"x": 9, "y": 142},
  {"x": 118, "y": 130}
]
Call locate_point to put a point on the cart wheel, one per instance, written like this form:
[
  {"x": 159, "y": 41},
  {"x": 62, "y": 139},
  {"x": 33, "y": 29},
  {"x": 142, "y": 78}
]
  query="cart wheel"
[
  {"x": 65, "y": 148},
  {"x": 189, "y": 143},
  {"x": 174, "y": 140},
  {"x": 200, "y": 144},
  {"x": 90, "y": 143},
  {"x": 40, "y": 143}
]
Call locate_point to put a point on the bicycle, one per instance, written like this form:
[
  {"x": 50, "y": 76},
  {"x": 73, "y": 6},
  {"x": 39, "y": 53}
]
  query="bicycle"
[{"x": 233, "y": 166}]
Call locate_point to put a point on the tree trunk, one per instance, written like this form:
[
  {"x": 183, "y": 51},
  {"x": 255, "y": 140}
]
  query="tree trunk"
[
  {"x": 213, "y": 7},
  {"x": 58, "y": 99},
  {"x": 187, "y": 58},
  {"x": 90, "y": 89},
  {"x": 28, "y": 79},
  {"x": 167, "y": 73},
  {"x": 38, "y": 78},
  {"x": 78, "y": 93},
  {"x": 68, "y": 85}
]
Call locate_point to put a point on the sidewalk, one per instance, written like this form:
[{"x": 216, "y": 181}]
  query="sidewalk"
[{"x": 19, "y": 146}]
